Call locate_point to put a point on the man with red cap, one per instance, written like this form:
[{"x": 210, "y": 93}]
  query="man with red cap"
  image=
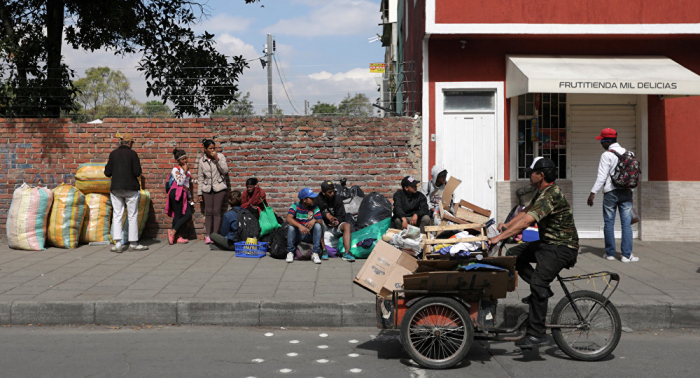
[{"x": 613, "y": 198}]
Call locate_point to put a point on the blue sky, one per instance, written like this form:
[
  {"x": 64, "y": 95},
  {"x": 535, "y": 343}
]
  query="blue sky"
[{"x": 322, "y": 48}]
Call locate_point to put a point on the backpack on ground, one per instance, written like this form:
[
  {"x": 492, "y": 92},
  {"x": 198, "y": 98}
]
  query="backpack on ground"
[
  {"x": 627, "y": 171},
  {"x": 278, "y": 244},
  {"x": 248, "y": 225}
]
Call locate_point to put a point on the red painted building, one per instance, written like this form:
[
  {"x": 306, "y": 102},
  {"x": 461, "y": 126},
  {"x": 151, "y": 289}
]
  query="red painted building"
[{"x": 487, "y": 70}]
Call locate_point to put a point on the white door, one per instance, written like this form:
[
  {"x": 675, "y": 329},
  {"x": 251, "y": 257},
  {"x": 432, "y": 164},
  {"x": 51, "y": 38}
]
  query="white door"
[
  {"x": 466, "y": 147},
  {"x": 586, "y": 122}
]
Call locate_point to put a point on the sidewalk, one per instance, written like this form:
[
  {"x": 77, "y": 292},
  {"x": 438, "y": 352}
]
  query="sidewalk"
[{"x": 189, "y": 284}]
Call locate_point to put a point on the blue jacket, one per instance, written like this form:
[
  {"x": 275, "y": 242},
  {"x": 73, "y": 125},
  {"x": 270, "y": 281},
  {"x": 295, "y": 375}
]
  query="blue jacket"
[{"x": 229, "y": 224}]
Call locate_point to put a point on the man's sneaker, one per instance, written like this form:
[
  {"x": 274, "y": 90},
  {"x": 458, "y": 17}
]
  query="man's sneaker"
[
  {"x": 290, "y": 257},
  {"x": 632, "y": 258},
  {"x": 117, "y": 248},
  {"x": 529, "y": 341},
  {"x": 348, "y": 257},
  {"x": 609, "y": 258},
  {"x": 137, "y": 247},
  {"x": 315, "y": 258},
  {"x": 324, "y": 255}
]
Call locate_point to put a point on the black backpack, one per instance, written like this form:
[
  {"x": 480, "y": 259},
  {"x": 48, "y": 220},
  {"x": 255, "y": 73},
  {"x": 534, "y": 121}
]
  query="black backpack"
[
  {"x": 278, "y": 244},
  {"x": 248, "y": 225}
]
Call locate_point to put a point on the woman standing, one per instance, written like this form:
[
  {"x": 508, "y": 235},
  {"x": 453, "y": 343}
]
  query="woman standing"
[
  {"x": 254, "y": 198},
  {"x": 179, "y": 197},
  {"x": 211, "y": 188}
]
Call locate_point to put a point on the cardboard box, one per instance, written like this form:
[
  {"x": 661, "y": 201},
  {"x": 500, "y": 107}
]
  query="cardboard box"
[
  {"x": 383, "y": 271},
  {"x": 439, "y": 275}
]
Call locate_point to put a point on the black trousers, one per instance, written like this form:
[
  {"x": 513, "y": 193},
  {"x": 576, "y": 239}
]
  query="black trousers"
[
  {"x": 180, "y": 219},
  {"x": 550, "y": 259}
]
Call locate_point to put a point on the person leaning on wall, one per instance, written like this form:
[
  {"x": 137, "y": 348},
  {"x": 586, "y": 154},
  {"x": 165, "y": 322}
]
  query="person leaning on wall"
[{"x": 212, "y": 187}]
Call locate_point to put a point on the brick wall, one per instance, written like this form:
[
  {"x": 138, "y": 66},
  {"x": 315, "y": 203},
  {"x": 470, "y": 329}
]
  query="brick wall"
[{"x": 286, "y": 154}]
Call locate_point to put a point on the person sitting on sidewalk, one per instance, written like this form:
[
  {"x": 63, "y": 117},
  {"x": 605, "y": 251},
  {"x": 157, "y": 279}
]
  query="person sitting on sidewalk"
[
  {"x": 304, "y": 220},
  {"x": 254, "y": 198},
  {"x": 410, "y": 206},
  {"x": 334, "y": 217},
  {"x": 228, "y": 235},
  {"x": 433, "y": 191}
]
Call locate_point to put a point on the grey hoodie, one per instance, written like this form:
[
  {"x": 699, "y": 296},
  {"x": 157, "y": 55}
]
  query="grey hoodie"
[{"x": 433, "y": 192}]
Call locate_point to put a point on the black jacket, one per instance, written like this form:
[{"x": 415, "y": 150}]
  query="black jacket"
[
  {"x": 405, "y": 204},
  {"x": 123, "y": 167},
  {"x": 333, "y": 207}
]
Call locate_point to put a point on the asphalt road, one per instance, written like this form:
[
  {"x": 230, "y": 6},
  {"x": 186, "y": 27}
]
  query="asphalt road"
[{"x": 187, "y": 351}]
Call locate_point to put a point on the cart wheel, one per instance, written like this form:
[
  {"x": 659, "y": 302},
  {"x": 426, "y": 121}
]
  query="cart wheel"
[
  {"x": 596, "y": 336},
  {"x": 437, "y": 332}
]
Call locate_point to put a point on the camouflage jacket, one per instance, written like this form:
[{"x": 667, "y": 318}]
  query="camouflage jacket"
[{"x": 554, "y": 217}]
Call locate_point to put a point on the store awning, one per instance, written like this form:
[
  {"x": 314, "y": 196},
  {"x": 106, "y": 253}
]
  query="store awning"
[{"x": 605, "y": 74}]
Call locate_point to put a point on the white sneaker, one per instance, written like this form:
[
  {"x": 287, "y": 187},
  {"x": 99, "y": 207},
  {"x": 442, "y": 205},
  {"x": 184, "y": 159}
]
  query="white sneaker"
[
  {"x": 118, "y": 248},
  {"x": 315, "y": 258},
  {"x": 137, "y": 247},
  {"x": 609, "y": 258},
  {"x": 290, "y": 257},
  {"x": 632, "y": 258}
]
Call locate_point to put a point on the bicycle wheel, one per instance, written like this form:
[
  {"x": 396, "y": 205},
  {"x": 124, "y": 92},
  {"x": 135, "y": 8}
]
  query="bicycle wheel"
[
  {"x": 596, "y": 336},
  {"x": 437, "y": 332}
]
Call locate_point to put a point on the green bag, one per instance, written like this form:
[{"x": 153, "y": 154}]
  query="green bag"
[
  {"x": 268, "y": 221},
  {"x": 375, "y": 231}
]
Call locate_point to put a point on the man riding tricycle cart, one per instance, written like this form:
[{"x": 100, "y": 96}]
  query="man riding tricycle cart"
[{"x": 445, "y": 304}]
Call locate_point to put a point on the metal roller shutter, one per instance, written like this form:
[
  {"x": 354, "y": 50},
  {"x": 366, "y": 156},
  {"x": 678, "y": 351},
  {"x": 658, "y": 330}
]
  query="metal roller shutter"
[{"x": 586, "y": 122}]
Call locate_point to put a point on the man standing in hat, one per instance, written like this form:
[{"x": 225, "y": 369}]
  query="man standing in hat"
[
  {"x": 410, "y": 206},
  {"x": 557, "y": 248},
  {"x": 124, "y": 167},
  {"x": 334, "y": 217},
  {"x": 613, "y": 198},
  {"x": 304, "y": 219}
]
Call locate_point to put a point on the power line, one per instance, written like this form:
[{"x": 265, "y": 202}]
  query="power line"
[{"x": 284, "y": 86}]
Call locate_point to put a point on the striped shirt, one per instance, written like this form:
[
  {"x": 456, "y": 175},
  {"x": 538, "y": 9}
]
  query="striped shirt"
[{"x": 304, "y": 216}]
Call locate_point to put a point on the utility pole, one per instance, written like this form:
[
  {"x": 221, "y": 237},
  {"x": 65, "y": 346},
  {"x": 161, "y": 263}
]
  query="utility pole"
[
  {"x": 269, "y": 74},
  {"x": 306, "y": 107}
]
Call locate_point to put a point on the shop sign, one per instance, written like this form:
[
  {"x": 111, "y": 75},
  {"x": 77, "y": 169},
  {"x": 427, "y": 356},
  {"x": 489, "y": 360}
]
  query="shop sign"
[
  {"x": 617, "y": 85},
  {"x": 377, "y": 67}
]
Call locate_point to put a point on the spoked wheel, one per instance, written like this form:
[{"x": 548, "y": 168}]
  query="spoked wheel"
[
  {"x": 594, "y": 337},
  {"x": 437, "y": 332}
]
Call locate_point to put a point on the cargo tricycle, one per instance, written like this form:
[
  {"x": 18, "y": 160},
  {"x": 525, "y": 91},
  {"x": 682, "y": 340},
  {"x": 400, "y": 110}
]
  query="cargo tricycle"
[{"x": 438, "y": 323}]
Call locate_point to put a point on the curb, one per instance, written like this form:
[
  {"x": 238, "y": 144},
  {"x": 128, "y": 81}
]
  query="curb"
[{"x": 265, "y": 313}]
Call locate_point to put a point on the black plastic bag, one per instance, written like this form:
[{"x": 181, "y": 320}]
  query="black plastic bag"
[
  {"x": 373, "y": 209},
  {"x": 347, "y": 194}
]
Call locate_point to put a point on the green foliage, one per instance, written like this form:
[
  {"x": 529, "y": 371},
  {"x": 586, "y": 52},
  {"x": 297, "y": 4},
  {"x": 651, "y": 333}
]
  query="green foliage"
[
  {"x": 241, "y": 107},
  {"x": 276, "y": 111},
  {"x": 102, "y": 93},
  {"x": 180, "y": 66},
  {"x": 156, "y": 109},
  {"x": 324, "y": 108},
  {"x": 357, "y": 105}
]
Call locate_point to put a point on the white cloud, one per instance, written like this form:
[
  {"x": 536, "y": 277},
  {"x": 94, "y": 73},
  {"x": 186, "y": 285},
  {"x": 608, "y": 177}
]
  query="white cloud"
[
  {"x": 224, "y": 23},
  {"x": 230, "y": 45},
  {"x": 332, "y": 17},
  {"x": 359, "y": 78}
]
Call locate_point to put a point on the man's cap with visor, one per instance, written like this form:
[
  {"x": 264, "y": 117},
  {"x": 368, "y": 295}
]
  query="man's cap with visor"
[
  {"x": 539, "y": 164},
  {"x": 409, "y": 181},
  {"x": 326, "y": 186},
  {"x": 307, "y": 193},
  {"x": 607, "y": 134}
]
